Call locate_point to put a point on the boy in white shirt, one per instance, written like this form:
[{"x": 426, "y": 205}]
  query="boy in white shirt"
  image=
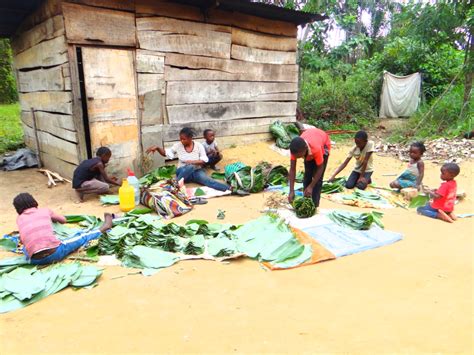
[{"x": 212, "y": 152}]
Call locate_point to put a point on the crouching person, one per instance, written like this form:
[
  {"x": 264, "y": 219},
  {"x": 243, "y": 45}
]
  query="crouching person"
[
  {"x": 90, "y": 176},
  {"x": 41, "y": 246}
]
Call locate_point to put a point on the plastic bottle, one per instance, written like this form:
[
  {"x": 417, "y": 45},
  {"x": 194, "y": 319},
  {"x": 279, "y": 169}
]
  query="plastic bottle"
[
  {"x": 133, "y": 181},
  {"x": 126, "y": 197}
]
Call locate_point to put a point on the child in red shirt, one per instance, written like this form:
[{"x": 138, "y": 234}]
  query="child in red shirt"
[{"x": 442, "y": 203}]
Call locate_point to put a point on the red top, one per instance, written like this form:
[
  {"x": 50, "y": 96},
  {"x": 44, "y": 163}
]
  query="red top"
[
  {"x": 36, "y": 229},
  {"x": 317, "y": 140},
  {"x": 445, "y": 203}
]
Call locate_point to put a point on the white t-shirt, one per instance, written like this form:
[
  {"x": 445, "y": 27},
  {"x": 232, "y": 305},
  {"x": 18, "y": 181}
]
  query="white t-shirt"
[
  {"x": 178, "y": 151},
  {"x": 209, "y": 147}
]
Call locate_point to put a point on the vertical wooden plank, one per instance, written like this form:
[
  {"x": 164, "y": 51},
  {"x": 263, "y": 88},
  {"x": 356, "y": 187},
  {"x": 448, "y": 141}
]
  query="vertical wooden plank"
[
  {"x": 77, "y": 113},
  {"x": 35, "y": 130}
]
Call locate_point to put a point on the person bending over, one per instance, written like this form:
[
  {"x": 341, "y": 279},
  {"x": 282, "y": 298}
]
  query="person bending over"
[
  {"x": 90, "y": 176},
  {"x": 313, "y": 145},
  {"x": 41, "y": 246}
]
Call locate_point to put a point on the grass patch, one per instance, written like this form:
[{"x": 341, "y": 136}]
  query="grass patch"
[{"x": 11, "y": 132}]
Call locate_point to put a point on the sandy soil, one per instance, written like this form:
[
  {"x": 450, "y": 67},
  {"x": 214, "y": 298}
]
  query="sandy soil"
[{"x": 412, "y": 296}]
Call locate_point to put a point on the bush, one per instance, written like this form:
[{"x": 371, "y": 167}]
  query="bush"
[
  {"x": 8, "y": 93},
  {"x": 439, "y": 118},
  {"x": 340, "y": 100}
]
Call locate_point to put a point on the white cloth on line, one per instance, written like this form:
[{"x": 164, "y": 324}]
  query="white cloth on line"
[{"x": 400, "y": 95}]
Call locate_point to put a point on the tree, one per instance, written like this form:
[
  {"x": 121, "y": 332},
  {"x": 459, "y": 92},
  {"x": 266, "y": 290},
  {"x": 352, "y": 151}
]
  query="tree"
[{"x": 8, "y": 93}]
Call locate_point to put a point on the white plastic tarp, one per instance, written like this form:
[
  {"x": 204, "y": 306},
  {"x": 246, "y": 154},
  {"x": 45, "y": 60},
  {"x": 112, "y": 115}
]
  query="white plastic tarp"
[{"x": 400, "y": 95}]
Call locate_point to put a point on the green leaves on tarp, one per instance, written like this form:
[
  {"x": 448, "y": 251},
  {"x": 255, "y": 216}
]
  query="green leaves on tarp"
[
  {"x": 248, "y": 179},
  {"x": 366, "y": 195},
  {"x": 109, "y": 199},
  {"x": 304, "y": 207},
  {"x": 355, "y": 220},
  {"x": 162, "y": 173},
  {"x": 7, "y": 244},
  {"x": 284, "y": 133},
  {"x": 278, "y": 175},
  {"x": 419, "y": 201},
  {"x": 199, "y": 192},
  {"x": 337, "y": 185},
  {"x": 148, "y": 258},
  {"x": 25, "y": 285},
  {"x": 270, "y": 239}
]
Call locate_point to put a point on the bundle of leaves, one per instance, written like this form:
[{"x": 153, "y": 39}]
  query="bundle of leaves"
[
  {"x": 332, "y": 187},
  {"x": 304, "y": 207},
  {"x": 162, "y": 173},
  {"x": 366, "y": 195},
  {"x": 195, "y": 245},
  {"x": 248, "y": 179},
  {"x": 354, "y": 220},
  {"x": 283, "y": 134},
  {"x": 278, "y": 175}
]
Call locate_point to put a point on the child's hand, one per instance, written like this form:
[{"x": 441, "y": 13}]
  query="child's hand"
[
  {"x": 362, "y": 180},
  {"x": 152, "y": 149},
  {"x": 114, "y": 179}
]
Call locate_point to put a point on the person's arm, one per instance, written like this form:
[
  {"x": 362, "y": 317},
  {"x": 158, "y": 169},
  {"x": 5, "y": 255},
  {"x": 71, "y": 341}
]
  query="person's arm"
[
  {"x": 340, "y": 168},
  {"x": 364, "y": 166},
  {"x": 156, "y": 148},
  {"x": 291, "y": 180},
  {"x": 435, "y": 194},
  {"x": 111, "y": 180},
  {"x": 421, "y": 170},
  {"x": 57, "y": 217}
]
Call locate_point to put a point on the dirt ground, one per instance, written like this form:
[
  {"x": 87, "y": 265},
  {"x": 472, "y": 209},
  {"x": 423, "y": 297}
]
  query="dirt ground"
[{"x": 412, "y": 296}]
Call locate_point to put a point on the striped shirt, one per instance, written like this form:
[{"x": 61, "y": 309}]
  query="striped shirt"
[
  {"x": 36, "y": 229},
  {"x": 178, "y": 150}
]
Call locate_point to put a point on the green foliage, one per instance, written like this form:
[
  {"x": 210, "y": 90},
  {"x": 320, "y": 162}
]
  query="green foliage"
[
  {"x": 329, "y": 100},
  {"x": 8, "y": 93},
  {"x": 11, "y": 132},
  {"x": 441, "y": 118}
]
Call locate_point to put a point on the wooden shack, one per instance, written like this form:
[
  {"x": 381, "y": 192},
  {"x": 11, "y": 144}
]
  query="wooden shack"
[{"x": 129, "y": 74}]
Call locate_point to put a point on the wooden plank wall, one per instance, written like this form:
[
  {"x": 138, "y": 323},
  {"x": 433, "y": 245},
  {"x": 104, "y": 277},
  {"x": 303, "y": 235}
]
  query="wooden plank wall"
[
  {"x": 44, "y": 84},
  {"x": 232, "y": 72}
]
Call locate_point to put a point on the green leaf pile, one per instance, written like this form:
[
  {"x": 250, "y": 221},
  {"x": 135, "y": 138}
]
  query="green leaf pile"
[
  {"x": 338, "y": 185},
  {"x": 354, "y": 220},
  {"x": 26, "y": 284},
  {"x": 304, "y": 207},
  {"x": 162, "y": 173},
  {"x": 283, "y": 134}
]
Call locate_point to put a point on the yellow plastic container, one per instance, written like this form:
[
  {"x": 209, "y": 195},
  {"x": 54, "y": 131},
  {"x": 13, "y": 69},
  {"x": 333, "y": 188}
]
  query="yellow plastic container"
[{"x": 126, "y": 197}]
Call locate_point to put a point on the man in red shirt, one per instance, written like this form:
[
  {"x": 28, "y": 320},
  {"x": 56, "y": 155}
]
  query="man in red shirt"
[
  {"x": 442, "y": 205},
  {"x": 314, "y": 146}
]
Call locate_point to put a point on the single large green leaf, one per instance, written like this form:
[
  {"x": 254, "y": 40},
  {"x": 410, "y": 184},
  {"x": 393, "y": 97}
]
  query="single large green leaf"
[
  {"x": 7, "y": 244},
  {"x": 419, "y": 201}
]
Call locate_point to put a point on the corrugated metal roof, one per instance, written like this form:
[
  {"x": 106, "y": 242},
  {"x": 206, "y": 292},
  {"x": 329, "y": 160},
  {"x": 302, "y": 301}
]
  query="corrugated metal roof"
[{"x": 13, "y": 12}]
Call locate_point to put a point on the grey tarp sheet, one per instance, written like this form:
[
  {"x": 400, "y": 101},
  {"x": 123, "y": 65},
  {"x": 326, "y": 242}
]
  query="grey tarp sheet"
[{"x": 23, "y": 158}]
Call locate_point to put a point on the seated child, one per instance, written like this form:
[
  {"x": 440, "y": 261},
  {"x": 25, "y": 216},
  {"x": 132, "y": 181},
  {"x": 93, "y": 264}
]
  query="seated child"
[
  {"x": 90, "y": 176},
  {"x": 363, "y": 169},
  {"x": 36, "y": 232},
  {"x": 413, "y": 175},
  {"x": 210, "y": 145},
  {"x": 442, "y": 203}
]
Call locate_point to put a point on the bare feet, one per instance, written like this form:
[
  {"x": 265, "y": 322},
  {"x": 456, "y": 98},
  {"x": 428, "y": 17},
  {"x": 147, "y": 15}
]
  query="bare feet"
[
  {"x": 395, "y": 185},
  {"x": 452, "y": 215},
  {"x": 107, "y": 222},
  {"x": 444, "y": 216},
  {"x": 80, "y": 196}
]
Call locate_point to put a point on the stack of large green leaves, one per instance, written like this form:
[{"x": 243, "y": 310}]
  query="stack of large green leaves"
[
  {"x": 366, "y": 195},
  {"x": 143, "y": 257},
  {"x": 304, "y": 207},
  {"x": 283, "y": 134},
  {"x": 354, "y": 220},
  {"x": 277, "y": 176},
  {"x": 248, "y": 179},
  {"x": 337, "y": 185},
  {"x": 195, "y": 245},
  {"x": 221, "y": 246},
  {"x": 162, "y": 173},
  {"x": 25, "y": 285}
]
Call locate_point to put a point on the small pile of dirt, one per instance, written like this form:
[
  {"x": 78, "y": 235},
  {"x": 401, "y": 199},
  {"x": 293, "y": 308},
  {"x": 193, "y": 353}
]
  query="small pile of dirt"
[{"x": 439, "y": 150}]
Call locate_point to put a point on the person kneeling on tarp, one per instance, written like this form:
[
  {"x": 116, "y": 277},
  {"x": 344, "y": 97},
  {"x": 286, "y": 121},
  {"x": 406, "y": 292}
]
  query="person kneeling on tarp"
[
  {"x": 41, "y": 246},
  {"x": 90, "y": 176},
  {"x": 313, "y": 145}
]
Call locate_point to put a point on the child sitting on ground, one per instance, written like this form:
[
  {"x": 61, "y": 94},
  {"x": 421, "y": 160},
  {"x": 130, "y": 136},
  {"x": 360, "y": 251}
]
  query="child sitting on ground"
[
  {"x": 442, "y": 204},
  {"x": 41, "y": 246},
  {"x": 413, "y": 175},
  {"x": 90, "y": 176},
  {"x": 362, "y": 152},
  {"x": 210, "y": 145}
]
